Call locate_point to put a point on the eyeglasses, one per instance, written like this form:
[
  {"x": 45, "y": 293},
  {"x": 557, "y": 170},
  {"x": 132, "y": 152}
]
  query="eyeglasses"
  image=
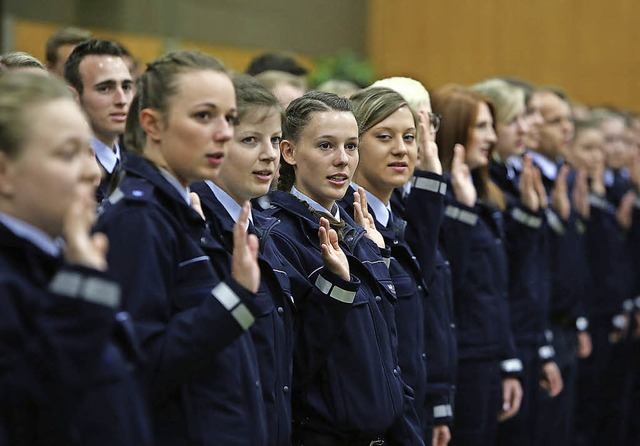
[{"x": 434, "y": 122}]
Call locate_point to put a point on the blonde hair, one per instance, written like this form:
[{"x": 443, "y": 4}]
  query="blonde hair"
[
  {"x": 508, "y": 100},
  {"x": 18, "y": 93},
  {"x": 410, "y": 89}
]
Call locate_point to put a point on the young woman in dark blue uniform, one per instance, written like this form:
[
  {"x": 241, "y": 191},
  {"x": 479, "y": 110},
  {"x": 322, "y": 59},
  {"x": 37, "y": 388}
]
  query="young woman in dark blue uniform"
[
  {"x": 66, "y": 376},
  {"x": 487, "y": 388},
  {"x": 192, "y": 304},
  {"x": 284, "y": 295},
  {"x": 355, "y": 395},
  {"x": 603, "y": 376},
  {"x": 389, "y": 151},
  {"x": 440, "y": 332},
  {"x": 526, "y": 250}
]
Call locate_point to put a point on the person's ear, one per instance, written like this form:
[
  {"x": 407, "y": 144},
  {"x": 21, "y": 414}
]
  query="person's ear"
[
  {"x": 6, "y": 178},
  {"x": 152, "y": 123},
  {"x": 287, "y": 151}
]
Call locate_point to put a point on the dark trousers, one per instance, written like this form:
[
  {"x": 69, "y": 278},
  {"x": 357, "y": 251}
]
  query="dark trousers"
[
  {"x": 603, "y": 388},
  {"x": 522, "y": 429},
  {"x": 556, "y": 414},
  {"x": 477, "y": 404}
]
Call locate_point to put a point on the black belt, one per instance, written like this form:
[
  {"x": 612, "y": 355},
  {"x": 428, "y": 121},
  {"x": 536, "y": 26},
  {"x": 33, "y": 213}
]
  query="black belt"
[{"x": 317, "y": 439}]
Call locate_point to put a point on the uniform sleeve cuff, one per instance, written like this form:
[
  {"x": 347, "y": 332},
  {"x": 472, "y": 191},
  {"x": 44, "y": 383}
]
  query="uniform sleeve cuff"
[
  {"x": 582, "y": 323},
  {"x": 546, "y": 353},
  {"x": 430, "y": 182},
  {"x": 79, "y": 284},
  {"x": 511, "y": 366},
  {"x": 526, "y": 217},
  {"x": 236, "y": 302},
  {"x": 457, "y": 213},
  {"x": 337, "y": 288},
  {"x": 555, "y": 222},
  {"x": 442, "y": 411}
]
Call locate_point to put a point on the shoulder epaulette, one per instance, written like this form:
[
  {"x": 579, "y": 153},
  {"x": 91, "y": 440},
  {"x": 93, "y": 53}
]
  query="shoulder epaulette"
[{"x": 136, "y": 189}]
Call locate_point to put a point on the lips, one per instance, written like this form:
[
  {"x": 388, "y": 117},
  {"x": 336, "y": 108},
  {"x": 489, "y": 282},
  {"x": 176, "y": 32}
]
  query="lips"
[
  {"x": 338, "y": 179},
  {"x": 215, "y": 159},
  {"x": 400, "y": 166},
  {"x": 119, "y": 117},
  {"x": 263, "y": 175}
]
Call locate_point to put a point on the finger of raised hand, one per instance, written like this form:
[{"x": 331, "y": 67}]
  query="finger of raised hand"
[{"x": 196, "y": 205}]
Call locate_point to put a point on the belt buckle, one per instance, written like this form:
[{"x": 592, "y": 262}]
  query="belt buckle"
[{"x": 377, "y": 442}]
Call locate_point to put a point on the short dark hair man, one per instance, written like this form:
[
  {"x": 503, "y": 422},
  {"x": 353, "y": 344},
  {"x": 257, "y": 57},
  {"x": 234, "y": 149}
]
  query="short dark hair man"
[{"x": 102, "y": 84}]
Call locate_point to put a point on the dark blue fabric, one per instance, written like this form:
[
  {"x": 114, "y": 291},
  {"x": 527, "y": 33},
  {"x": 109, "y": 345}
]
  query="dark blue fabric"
[
  {"x": 201, "y": 367},
  {"x": 64, "y": 374},
  {"x": 357, "y": 390}
]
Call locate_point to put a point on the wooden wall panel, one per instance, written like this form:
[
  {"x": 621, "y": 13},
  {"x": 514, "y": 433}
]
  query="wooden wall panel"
[{"x": 590, "y": 48}]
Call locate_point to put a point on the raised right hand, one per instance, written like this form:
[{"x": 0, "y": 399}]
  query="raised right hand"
[
  {"x": 245, "y": 269},
  {"x": 332, "y": 255},
  {"x": 559, "y": 195},
  {"x": 463, "y": 188},
  {"x": 528, "y": 192}
]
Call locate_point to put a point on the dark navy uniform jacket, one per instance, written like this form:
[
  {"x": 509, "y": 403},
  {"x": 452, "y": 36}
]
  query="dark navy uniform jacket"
[
  {"x": 424, "y": 208},
  {"x": 285, "y": 297},
  {"x": 357, "y": 390},
  {"x": 408, "y": 280},
  {"x": 610, "y": 261},
  {"x": 65, "y": 373},
  {"x": 191, "y": 316},
  {"x": 527, "y": 239},
  {"x": 480, "y": 284},
  {"x": 567, "y": 258}
]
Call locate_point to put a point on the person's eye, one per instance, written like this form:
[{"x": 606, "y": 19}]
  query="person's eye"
[
  {"x": 410, "y": 137},
  {"x": 275, "y": 141},
  {"x": 69, "y": 153},
  {"x": 351, "y": 147},
  {"x": 324, "y": 145},
  {"x": 103, "y": 88},
  {"x": 203, "y": 116},
  {"x": 383, "y": 137},
  {"x": 127, "y": 87},
  {"x": 249, "y": 140}
]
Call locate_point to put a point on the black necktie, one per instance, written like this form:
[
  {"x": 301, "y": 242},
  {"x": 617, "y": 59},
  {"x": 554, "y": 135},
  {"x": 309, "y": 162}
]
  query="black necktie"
[{"x": 398, "y": 226}]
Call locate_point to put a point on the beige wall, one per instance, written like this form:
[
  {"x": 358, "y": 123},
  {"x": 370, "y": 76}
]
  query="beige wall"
[
  {"x": 235, "y": 30},
  {"x": 591, "y": 48}
]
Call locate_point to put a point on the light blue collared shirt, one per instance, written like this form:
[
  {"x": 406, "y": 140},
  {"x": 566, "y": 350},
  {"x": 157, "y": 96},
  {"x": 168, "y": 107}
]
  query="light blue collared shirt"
[
  {"x": 609, "y": 177},
  {"x": 514, "y": 166},
  {"x": 232, "y": 207},
  {"x": 107, "y": 156},
  {"x": 183, "y": 191},
  {"x": 381, "y": 211},
  {"x": 31, "y": 233},
  {"x": 549, "y": 168},
  {"x": 314, "y": 204}
]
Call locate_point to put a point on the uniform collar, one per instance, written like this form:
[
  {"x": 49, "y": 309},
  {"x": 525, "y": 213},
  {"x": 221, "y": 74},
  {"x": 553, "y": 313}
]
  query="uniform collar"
[
  {"x": 32, "y": 234},
  {"x": 549, "y": 168},
  {"x": 230, "y": 205},
  {"x": 381, "y": 212},
  {"x": 335, "y": 211},
  {"x": 173, "y": 181},
  {"x": 107, "y": 156}
]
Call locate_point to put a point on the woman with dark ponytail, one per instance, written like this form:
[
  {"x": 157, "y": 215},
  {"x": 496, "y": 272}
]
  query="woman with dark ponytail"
[{"x": 356, "y": 394}]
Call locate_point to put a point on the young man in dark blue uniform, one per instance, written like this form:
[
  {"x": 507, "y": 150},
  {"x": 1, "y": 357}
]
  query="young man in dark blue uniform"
[
  {"x": 566, "y": 266},
  {"x": 102, "y": 84}
]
